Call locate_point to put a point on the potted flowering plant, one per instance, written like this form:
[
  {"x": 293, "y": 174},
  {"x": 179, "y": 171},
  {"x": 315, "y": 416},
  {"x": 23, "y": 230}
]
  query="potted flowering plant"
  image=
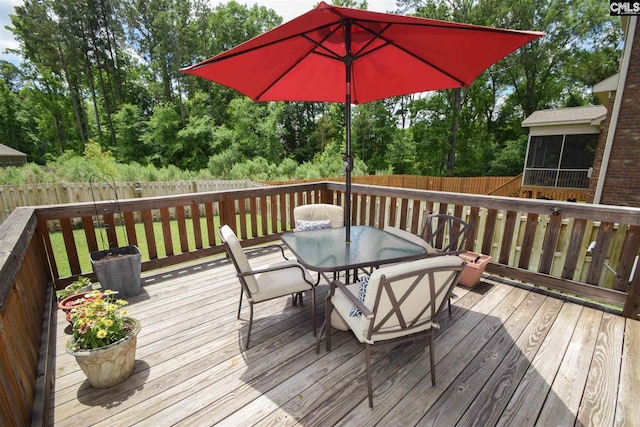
[
  {"x": 82, "y": 284},
  {"x": 104, "y": 338}
]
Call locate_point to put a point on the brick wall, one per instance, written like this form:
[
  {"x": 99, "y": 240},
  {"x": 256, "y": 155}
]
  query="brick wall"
[{"x": 622, "y": 183}]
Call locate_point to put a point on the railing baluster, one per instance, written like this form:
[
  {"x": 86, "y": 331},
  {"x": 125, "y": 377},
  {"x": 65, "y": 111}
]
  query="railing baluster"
[
  {"x": 489, "y": 230},
  {"x": 550, "y": 243},
  {"x": 182, "y": 229},
  {"x": 208, "y": 213},
  {"x": 70, "y": 245},
  {"x": 150, "y": 234},
  {"x": 197, "y": 229},
  {"x": 110, "y": 227},
  {"x": 599, "y": 254},
  {"x": 507, "y": 236},
  {"x": 264, "y": 215},
  {"x": 254, "y": 216},
  {"x": 574, "y": 250},
  {"x": 130, "y": 228},
  {"x": 242, "y": 212},
  {"x": 628, "y": 259},
  {"x": 90, "y": 233},
  {"x": 527, "y": 241}
]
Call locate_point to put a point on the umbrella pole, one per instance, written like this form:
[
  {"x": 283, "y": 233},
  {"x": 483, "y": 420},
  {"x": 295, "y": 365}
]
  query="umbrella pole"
[
  {"x": 347, "y": 112},
  {"x": 348, "y": 166}
]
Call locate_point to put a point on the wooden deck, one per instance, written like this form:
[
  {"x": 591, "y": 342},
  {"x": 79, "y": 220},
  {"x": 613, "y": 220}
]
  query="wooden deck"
[{"x": 506, "y": 356}]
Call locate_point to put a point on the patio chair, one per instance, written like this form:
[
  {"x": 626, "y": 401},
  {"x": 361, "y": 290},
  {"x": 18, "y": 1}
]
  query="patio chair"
[
  {"x": 446, "y": 233},
  {"x": 319, "y": 212},
  {"x": 431, "y": 251},
  {"x": 399, "y": 303},
  {"x": 280, "y": 279}
]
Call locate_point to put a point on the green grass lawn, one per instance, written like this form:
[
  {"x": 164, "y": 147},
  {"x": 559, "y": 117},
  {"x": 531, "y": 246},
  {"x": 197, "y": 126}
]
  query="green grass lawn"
[{"x": 64, "y": 270}]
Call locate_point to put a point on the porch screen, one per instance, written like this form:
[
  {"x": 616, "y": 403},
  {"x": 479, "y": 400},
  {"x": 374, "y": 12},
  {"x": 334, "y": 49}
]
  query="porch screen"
[{"x": 560, "y": 160}]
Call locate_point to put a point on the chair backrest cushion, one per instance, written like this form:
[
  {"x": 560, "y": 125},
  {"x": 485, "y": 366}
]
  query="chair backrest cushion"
[
  {"x": 406, "y": 297},
  {"x": 320, "y": 211},
  {"x": 238, "y": 256}
]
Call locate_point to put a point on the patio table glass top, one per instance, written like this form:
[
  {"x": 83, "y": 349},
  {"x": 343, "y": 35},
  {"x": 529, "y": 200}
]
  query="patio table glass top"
[{"x": 326, "y": 250}]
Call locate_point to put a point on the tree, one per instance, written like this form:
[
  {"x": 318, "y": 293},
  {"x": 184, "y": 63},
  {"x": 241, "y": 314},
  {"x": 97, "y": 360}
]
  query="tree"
[
  {"x": 373, "y": 132},
  {"x": 193, "y": 145},
  {"x": 255, "y": 127},
  {"x": 297, "y": 124},
  {"x": 129, "y": 127},
  {"x": 163, "y": 127}
]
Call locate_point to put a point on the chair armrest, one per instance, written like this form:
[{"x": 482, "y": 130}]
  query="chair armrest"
[
  {"x": 261, "y": 248},
  {"x": 276, "y": 268},
  {"x": 352, "y": 298},
  {"x": 444, "y": 253}
]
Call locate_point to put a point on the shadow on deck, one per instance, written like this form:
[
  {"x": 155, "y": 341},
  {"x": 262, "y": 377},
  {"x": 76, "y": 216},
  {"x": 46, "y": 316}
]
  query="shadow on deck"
[{"x": 505, "y": 356}]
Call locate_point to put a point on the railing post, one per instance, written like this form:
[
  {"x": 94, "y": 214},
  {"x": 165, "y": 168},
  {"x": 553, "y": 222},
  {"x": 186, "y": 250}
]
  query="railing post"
[{"x": 632, "y": 303}]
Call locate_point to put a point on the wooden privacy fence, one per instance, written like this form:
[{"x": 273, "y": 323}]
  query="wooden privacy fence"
[
  {"x": 588, "y": 250},
  {"x": 12, "y": 196},
  {"x": 473, "y": 185}
]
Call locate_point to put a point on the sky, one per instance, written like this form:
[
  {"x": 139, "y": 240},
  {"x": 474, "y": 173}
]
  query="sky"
[{"x": 288, "y": 9}]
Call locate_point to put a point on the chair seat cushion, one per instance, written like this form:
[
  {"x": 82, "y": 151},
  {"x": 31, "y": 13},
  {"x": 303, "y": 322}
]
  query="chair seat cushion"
[
  {"x": 342, "y": 305},
  {"x": 281, "y": 282}
]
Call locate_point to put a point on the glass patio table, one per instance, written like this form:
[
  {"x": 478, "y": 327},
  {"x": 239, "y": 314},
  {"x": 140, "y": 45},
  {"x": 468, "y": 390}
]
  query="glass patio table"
[{"x": 326, "y": 250}]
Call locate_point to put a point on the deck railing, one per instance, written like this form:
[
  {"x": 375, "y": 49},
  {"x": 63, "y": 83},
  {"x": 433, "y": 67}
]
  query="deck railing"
[
  {"x": 24, "y": 293},
  {"x": 552, "y": 177},
  {"x": 587, "y": 250}
]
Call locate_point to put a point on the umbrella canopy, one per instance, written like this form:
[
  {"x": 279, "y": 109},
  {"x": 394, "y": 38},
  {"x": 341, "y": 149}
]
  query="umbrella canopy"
[{"x": 339, "y": 54}]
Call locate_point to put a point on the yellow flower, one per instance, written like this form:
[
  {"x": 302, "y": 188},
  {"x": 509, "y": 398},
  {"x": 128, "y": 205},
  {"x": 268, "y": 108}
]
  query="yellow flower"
[{"x": 99, "y": 322}]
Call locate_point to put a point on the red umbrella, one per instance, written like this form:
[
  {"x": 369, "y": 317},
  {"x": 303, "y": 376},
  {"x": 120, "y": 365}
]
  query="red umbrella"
[{"x": 339, "y": 54}]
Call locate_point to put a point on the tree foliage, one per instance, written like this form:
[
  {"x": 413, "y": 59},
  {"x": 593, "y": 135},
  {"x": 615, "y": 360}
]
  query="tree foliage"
[{"x": 107, "y": 74}]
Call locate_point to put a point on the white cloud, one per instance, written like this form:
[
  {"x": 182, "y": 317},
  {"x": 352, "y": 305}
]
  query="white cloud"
[{"x": 6, "y": 37}]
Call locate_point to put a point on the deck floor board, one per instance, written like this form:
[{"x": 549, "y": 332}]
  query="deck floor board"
[{"x": 503, "y": 354}]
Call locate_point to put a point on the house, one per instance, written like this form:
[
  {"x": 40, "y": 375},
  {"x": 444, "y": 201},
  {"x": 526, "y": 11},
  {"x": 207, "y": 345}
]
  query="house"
[
  {"x": 11, "y": 157},
  {"x": 593, "y": 150},
  {"x": 616, "y": 175},
  {"x": 562, "y": 146}
]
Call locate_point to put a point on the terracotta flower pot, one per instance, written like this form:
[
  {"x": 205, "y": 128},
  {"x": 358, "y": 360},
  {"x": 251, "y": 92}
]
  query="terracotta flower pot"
[
  {"x": 107, "y": 366},
  {"x": 72, "y": 301}
]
